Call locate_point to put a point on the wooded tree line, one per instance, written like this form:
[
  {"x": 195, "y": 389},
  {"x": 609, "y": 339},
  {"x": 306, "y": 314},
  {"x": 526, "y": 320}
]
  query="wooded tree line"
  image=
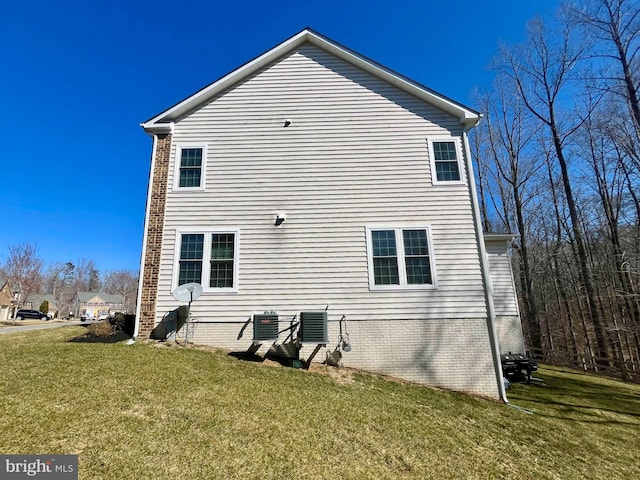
[
  {"x": 28, "y": 275},
  {"x": 558, "y": 163}
]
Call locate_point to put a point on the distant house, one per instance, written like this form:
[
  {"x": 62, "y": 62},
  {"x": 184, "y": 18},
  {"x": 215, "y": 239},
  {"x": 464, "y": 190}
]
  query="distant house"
[
  {"x": 6, "y": 302},
  {"x": 35, "y": 302},
  {"x": 97, "y": 305},
  {"x": 313, "y": 177}
]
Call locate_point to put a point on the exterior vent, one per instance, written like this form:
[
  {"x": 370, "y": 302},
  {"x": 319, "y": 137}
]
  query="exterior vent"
[
  {"x": 265, "y": 326},
  {"x": 313, "y": 327}
]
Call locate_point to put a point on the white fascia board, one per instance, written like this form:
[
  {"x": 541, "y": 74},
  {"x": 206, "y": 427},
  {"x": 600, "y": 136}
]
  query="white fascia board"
[{"x": 159, "y": 124}]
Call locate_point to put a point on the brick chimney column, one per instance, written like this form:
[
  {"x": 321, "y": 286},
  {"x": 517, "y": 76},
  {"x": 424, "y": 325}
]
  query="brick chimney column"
[{"x": 155, "y": 226}]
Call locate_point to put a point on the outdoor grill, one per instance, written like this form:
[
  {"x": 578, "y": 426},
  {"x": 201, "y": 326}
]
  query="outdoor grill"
[{"x": 517, "y": 366}]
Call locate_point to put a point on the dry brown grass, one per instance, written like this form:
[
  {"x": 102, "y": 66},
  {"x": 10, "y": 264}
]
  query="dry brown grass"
[{"x": 20, "y": 323}]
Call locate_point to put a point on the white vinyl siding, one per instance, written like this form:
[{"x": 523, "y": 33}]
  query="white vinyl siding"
[
  {"x": 504, "y": 290},
  {"x": 353, "y": 156}
]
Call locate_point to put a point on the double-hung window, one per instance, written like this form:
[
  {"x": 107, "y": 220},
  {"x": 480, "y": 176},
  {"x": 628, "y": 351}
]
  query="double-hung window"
[
  {"x": 400, "y": 257},
  {"x": 208, "y": 258},
  {"x": 191, "y": 258},
  {"x": 446, "y": 166},
  {"x": 190, "y": 162},
  {"x": 222, "y": 260}
]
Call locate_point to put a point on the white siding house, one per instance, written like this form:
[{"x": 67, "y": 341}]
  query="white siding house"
[
  {"x": 371, "y": 174},
  {"x": 507, "y": 314}
]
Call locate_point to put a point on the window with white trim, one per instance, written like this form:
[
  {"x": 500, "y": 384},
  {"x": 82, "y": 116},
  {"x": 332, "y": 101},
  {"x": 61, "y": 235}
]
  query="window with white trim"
[
  {"x": 446, "y": 166},
  {"x": 191, "y": 258},
  {"x": 222, "y": 260},
  {"x": 208, "y": 258},
  {"x": 190, "y": 161},
  {"x": 400, "y": 257}
]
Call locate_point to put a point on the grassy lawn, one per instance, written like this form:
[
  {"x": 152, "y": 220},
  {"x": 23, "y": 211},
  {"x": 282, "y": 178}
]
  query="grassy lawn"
[{"x": 145, "y": 411}]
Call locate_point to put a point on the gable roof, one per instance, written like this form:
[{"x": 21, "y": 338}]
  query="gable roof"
[
  {"x": 105, "y": 297},
  {"x": 162, "y": 123},
  {"x": 37, "y": 298}
]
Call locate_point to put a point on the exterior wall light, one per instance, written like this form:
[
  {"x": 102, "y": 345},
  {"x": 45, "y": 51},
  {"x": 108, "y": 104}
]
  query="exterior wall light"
[{"x": 280, "y": 218}]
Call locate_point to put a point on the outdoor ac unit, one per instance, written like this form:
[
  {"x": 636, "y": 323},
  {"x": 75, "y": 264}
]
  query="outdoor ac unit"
[
  {"x": 313, "y": 327},
  {"x": 265, "y": 326}
]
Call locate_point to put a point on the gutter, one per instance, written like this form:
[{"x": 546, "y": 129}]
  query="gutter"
[
  {"x": 157, "y": 128},
  {"x": 486, "y": 276}
]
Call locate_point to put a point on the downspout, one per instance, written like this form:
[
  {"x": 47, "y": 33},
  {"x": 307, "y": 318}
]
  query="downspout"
[
  {"x": 486, "y": 275},
  {"x": 144, "y": 237}
]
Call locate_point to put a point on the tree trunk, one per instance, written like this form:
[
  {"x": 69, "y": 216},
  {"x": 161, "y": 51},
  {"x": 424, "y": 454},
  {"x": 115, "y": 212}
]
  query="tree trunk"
[{"x": 583, "y": 265}]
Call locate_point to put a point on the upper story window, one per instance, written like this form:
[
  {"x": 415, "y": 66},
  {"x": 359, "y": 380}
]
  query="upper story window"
[
  {"x": 400, "y": 257},
  {"x": 446, "y": 166},
  {"x": 210, "y": 259},
  {"x": 190, "y": 161}
]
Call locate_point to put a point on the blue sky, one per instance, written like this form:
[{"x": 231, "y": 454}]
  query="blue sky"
[{"x": 78, "y": 77}]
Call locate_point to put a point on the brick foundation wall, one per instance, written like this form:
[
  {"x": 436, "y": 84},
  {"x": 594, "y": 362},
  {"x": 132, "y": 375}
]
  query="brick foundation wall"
[
  {"x": 155, "y": 227},
  {"x": 450, "y": 353},
  {"x": 510, "y": 338}
]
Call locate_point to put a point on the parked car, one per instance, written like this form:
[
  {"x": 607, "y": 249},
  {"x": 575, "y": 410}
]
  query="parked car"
[{"x": 25, "y": 313}]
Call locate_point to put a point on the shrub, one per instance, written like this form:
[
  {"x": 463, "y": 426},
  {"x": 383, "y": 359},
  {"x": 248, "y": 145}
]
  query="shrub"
[
  {"x": 101, "y": 329},
  {"x": 44, "y": 306},
  {"x": 124, "y": 322}
]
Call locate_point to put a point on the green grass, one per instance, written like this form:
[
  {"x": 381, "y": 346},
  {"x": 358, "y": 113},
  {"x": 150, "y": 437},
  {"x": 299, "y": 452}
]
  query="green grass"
[{"x": 154, "y": 412}]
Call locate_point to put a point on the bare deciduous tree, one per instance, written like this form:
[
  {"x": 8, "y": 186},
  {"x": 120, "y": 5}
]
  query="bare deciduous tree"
[
  {"x": 85, "y": 276},
  {"x": 542, "y": 70},
  {"x": 23, "y": 268},
  {"x": 59, "y": 282},
  {"x": 125, "y": 283},
  {"x": 509, "y": 138},
  {"x": 614, "y": 27}
]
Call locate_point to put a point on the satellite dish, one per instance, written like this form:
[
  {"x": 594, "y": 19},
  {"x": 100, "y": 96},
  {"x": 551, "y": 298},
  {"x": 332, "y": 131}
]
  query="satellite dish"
[{"x": 187, "y": 292}]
